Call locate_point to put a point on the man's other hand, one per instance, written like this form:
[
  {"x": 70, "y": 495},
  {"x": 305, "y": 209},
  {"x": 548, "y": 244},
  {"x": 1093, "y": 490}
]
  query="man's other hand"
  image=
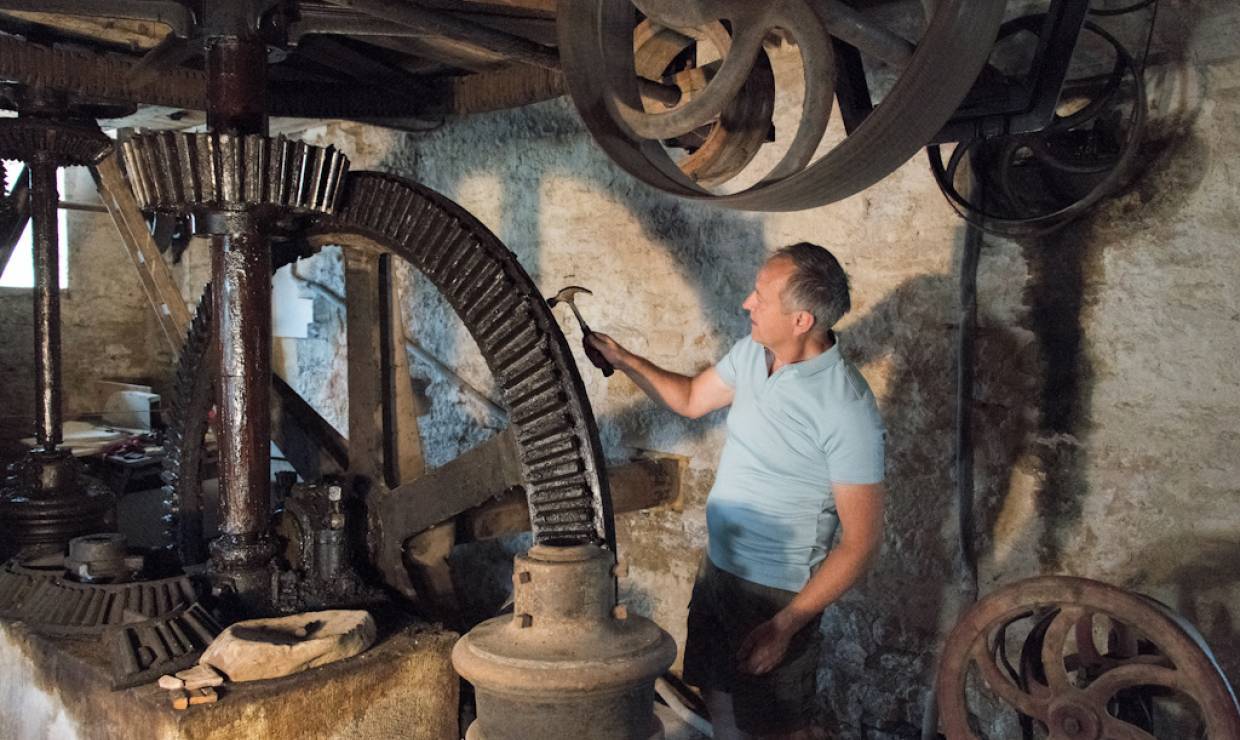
[
  {"x": 764, "y": 647},
  {"x": 610, "y": 349}
]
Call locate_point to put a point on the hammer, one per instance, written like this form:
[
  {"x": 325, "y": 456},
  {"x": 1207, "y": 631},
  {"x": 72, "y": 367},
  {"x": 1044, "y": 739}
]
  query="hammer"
[{"x": 566, "y": 295}]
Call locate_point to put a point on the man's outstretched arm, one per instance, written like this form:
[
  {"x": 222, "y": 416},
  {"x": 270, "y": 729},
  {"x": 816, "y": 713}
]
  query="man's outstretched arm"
[
  {"x": 860, "y": 508},
  {"x": 688, "y": 396}
]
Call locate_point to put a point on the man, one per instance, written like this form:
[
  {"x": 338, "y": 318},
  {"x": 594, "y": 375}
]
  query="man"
[{"x": 804, "y": 453}]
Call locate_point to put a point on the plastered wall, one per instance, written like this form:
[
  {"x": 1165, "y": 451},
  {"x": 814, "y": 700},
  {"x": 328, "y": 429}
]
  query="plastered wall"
[{"x": 108, "y": 330}]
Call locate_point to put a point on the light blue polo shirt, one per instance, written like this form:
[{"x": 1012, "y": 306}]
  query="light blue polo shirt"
[{"x": 771, "y": 513}]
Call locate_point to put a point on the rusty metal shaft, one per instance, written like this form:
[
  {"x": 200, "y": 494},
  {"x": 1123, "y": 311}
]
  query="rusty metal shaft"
[
  {"x": 241, "y": 268},
  {"x": 241, "y": 265},
  {"x": 44, "y": 199}
]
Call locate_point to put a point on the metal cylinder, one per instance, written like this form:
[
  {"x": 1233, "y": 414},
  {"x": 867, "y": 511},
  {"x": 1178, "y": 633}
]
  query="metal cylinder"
[
  {"x": 241, "y": 270},
  {"x": 237, "y": 84},
  {"x": 46, "y": 258},
  {"x": 569, "y": 662},
  {"x": 241, "y": 266}
]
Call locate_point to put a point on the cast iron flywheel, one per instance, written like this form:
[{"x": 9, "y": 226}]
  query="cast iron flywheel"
[
  {"x": 633, "y": 110},
  {"x": 1078, "y": 659}
]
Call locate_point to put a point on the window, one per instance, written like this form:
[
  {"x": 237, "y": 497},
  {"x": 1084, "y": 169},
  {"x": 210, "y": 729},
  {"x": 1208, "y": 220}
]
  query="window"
[{"x": 19, "y": 272}]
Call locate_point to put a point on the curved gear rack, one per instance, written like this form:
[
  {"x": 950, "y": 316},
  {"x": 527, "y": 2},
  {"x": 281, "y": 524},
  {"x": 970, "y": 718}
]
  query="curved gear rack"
[
  {"x": 53, "y": 604},
  {"x": 556, "y": 438},
  {"x": 596, "y": 45},
  {"x": 1066, "y": 682},
  {"x": 552, "y": 437}
]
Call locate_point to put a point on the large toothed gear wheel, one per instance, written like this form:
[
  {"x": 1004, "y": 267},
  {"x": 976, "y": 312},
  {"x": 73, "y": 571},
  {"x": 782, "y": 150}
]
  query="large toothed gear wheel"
[
  {"x": 551, "y": 449},
  {"x": 174, "y": 172},
  {"x": 1082, "y": 660},
  {"x": 613, "y": 92},
  {"x": 64, "y": 143}
]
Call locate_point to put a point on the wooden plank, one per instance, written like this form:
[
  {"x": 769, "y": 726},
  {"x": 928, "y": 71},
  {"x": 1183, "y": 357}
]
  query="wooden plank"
[
  {"x": 402, "y": 450},
  {"x": 641, "y": 484},
  {"x": 161, "y": 289},
  {"x": 363, "y": 338}
]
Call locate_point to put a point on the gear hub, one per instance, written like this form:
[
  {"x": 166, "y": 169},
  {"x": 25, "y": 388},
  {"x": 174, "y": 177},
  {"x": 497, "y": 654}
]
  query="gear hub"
[{"x": 569, "y": 662}]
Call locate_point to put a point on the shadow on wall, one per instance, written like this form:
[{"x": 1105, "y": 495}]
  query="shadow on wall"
[{"x": 883, "y": 638}]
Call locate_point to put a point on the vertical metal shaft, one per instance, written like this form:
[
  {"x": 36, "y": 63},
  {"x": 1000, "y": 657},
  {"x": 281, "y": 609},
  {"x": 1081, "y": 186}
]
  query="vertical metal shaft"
[
  {"x": 241, "y": 268},
  {"x": 44, "y": 199}
]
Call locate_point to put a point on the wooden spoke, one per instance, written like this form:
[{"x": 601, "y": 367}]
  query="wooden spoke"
[
  {"x": 482, "y": 473},
  {"x": 402, "y": 450},
  {"x": 365, "y": 365}
]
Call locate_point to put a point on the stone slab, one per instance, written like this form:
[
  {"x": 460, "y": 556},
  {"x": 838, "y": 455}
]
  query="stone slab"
[{"x": 402, "y": 687}]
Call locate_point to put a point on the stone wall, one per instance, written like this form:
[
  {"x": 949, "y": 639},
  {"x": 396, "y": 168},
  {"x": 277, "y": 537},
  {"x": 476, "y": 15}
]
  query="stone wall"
[
  {"x": 1106, "y": 386},
  {"x": 108, "y": 332}
]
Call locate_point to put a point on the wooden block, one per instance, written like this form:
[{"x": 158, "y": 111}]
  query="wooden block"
[
  {"x": 203, "y": 696},
  {"x": 200, "y": 676},
  {"x": 180, "y": 700}
]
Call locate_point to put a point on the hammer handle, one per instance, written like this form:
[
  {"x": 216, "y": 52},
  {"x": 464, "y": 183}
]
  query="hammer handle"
[{"x": 594, "y": 356}]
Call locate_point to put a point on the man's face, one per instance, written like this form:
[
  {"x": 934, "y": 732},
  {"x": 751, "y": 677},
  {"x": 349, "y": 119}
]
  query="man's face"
[{"x": 770, "y": 323}]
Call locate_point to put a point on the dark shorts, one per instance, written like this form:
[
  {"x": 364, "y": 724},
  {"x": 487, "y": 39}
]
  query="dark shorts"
[{"x": 723, "y": 610}]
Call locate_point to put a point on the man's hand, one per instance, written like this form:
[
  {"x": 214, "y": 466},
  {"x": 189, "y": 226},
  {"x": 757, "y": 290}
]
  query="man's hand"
[
  {"x": 618, "y": 356},
  {"x": 765, "y": 646},
  {"x": 690, "y": 397}
]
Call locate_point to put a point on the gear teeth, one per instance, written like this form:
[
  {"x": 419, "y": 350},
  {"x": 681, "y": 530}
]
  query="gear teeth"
[
  {"x": 180, "y": 172},
  {"x": 67, "y": 144},
  {"x": 143, "y": 651},
  {"x": 528, "y": 358}
]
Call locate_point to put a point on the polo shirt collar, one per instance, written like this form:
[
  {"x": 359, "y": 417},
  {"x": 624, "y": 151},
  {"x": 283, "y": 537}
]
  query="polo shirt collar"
[{"x": 818, "y": 363}]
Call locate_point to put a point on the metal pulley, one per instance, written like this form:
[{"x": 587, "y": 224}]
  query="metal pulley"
[
  {"x": 608, "y": 69},
  {"x": 1083, "y": 660}
]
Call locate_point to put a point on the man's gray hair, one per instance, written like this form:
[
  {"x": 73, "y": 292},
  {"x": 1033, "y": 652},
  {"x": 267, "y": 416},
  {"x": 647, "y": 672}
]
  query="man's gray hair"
[{"x": 818, "y": 284}]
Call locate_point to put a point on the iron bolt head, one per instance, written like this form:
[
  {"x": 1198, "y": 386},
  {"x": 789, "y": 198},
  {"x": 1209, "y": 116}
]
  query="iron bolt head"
[
  {"x": 334, "y": 493},
  {"x": 620, "y": 611}
]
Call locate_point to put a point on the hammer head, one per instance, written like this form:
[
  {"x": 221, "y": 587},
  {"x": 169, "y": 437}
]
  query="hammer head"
[{"x": 566, "y": 295}]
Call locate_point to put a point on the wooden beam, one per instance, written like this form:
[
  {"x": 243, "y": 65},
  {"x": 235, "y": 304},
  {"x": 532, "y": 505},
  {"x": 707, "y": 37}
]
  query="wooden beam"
[
  {"x": 161, "y": 289},
  {"x": 641, "y": 484},
  {"x": 135, "y": 34}
]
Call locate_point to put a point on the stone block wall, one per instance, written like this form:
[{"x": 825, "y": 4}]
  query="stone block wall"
[{"x": 108, "y": 332}]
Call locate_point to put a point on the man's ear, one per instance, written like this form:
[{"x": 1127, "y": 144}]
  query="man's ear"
[{"x": 803, "y": 322}]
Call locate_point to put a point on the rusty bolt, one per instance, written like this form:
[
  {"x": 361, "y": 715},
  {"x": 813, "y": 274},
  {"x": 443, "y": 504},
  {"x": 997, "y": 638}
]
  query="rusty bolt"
[
  {"x": 523, "y": 577},
  {"x": 620, "y": 569},
  {"x": 525, "y": 620},
  {"x": 620, "y": 611}
]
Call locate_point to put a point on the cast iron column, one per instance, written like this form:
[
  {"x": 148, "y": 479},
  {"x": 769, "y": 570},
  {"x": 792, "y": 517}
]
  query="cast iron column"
[
  {"x": 46, "y": 258},
  {"x": 241, "y": 271}
]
